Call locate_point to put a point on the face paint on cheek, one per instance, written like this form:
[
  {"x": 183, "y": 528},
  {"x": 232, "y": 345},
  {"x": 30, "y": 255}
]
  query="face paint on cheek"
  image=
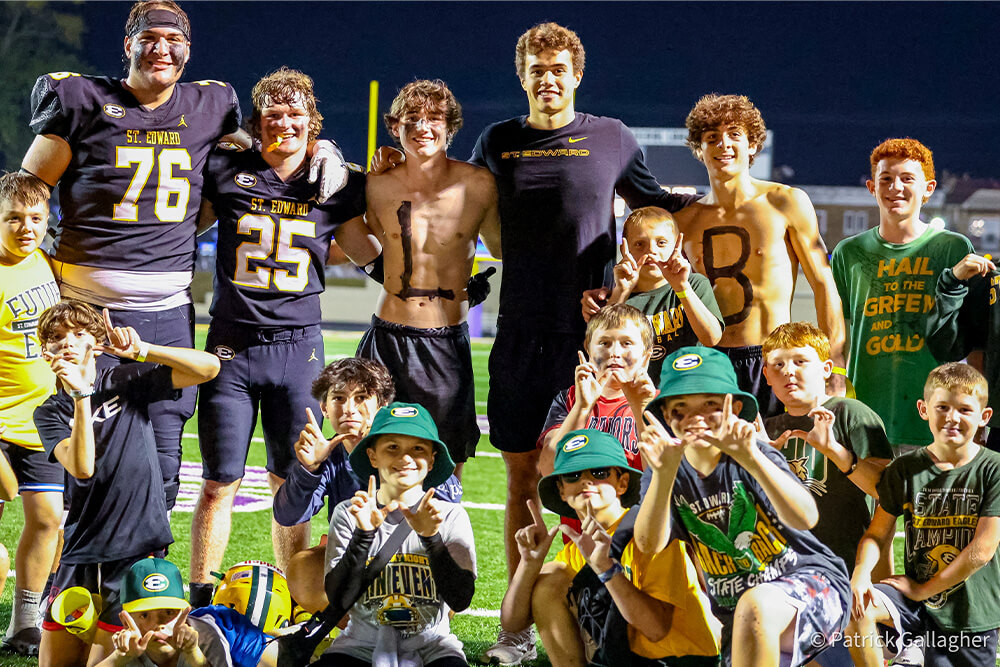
[
  {"x": 178, "y": 55},
  {"x": 600, "y": 359}
]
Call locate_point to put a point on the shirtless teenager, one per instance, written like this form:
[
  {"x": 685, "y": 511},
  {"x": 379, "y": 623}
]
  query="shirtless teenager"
[
  {"x": 749, "y": 237},
  {"x": 428, "y": 213}
]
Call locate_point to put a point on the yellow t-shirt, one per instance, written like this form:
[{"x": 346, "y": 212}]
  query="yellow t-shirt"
[
  {"x": 26, "y": 290},
  {"x": 668, "y": 576}
]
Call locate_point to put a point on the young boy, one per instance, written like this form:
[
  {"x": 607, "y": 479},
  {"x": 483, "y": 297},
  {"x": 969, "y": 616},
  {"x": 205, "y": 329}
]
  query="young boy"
[
  {"x": 836, "y": 446},
  {"x": 624, "y": 606},
  {"x": 886, "y": 277},
  {"x": 749, "y": 237},
  {"x": 427, "y": 214},
  {"x": 27, "y": 288},
  {"x": 780, "y": 593},
  {"x": 609, "y": 389},
  {"x": 948, "y": 494},
  {"x": 655, "y": 277},
  {"x": 97, "y": 426},
  {"x": 158, "y": 630},
  {"x": 406, "y": 608},
  {"x": 350, "y": 391}
]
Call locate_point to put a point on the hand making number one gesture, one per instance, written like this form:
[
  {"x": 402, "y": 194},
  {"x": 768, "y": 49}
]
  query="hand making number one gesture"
[{"x": 122, "y": 342}]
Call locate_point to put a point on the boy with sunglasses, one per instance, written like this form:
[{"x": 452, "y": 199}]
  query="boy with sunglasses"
[{"x": 622, "y": 603}]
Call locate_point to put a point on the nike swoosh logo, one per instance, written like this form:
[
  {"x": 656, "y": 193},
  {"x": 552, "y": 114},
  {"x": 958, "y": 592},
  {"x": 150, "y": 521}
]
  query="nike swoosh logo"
[{"x": 573, "y": 141}]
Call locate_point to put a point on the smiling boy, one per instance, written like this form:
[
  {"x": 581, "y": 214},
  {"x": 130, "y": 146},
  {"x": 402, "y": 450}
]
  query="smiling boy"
[
  {"x": 948, "y": 494},
  {"x": 27, "y": 288},
  {"x": 428, "y": 214},
  {"x": 886, "y": 277},
  {"x": 274, "y": 239},
  {"x": 624, "y": 606},
  {"x": 780, "y": 593},
  {"x": 405, "y": 610},
  {"x": 749, "y": 237}
]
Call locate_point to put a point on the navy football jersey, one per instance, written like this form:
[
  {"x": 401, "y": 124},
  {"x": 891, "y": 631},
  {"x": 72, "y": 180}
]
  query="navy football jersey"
[
  {"x": 131, "y": 192},
  {"x": 273, "y": 240},
  {"x": 120, "y": 511}
]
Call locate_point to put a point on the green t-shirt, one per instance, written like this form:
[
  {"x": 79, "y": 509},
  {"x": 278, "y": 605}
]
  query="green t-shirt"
[
  {"x": 940, "y": 510},
  {"x": 843, "y": 507},
  {"x": 671, "y": 328},
  {"x": 888, "y": 290}
]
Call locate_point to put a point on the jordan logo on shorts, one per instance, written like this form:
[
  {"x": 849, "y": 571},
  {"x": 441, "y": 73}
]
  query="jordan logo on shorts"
[{"x": 312, "y": 356}]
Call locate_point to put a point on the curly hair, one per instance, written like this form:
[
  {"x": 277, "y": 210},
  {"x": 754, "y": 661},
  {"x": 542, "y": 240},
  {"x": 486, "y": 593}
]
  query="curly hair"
[
  {"x": 70, "y": 314},
  {"x": 284, "y": 86},
  {"x": 797, "y": 334},
  {"x": 432, "y": 96},
  {"x": 370, "y": 376},
  {"x": 905, "y": 149},
  {"x": 143, "y": 7},
  {"x": 26, "y": 189},
  {"x": 546, "y": 37},
  {"x": 714, "y": 110}
]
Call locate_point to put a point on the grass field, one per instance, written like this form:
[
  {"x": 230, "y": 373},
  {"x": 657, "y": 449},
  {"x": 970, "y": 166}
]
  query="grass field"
[{"x": 483, "y": 479}]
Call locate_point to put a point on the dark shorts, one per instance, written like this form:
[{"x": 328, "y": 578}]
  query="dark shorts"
[
  {"x": 267, "y": 369},
  {"x": 34, "y": 470},
  {"x": 174, "y": 327},
  {"x": 528, "y": 367},
  {"x": 432, "y": 367},
  {"x": 104, "y": 579},
  {"x": 942, "y": 648},
  {"x": 819, "y": 621},
  {"x": 748, "y": 362}
]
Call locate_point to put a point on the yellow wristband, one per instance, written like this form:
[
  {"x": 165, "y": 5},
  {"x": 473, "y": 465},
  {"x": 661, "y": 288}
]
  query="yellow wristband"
[
  {"x": 143, "y": 351},
  {"x": 840, "y": 371},
  {"x": 682, "y": 294}
]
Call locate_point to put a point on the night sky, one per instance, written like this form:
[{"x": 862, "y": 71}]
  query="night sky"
[{"x": 832, "y": 79}]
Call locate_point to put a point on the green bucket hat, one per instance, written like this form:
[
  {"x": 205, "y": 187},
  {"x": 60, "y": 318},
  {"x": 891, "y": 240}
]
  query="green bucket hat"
[
  {"x": 153, "y": 583},
  {"x": 701, "y": 370},
  {"x": 581, "y": 450},
  {"x": 403, "y": 419}
]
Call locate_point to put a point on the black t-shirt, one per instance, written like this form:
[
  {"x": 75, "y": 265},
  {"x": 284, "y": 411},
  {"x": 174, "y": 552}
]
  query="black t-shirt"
[
  {"x": 120, "y": 511},
  {"x": 131, "y": 193},
  {"x": 273, "y": 240},
  {"x": 557, "y": 222}
]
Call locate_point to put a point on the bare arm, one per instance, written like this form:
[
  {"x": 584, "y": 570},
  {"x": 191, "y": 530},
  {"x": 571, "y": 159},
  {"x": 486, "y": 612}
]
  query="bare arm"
[
  {"x": 662, "y": 454},
  {"x": 878, "y": 536},
  {"x": 239, "y": 138},
  {"x": 803, "y": 232},
  {"x": 358, "y": 241},
  {"x": 206, "y": 217},
  {"x": 489, "y": 230},
  {"x": 533, "y": 542},
  {"x": 77, "y": 453},
  {"x": 650, "y": 616},
  {"x": 792, "y": 501},
  {"x": 47, "y": 158}
]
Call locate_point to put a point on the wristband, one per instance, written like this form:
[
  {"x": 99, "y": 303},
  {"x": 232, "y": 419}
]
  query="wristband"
[
  {"x": 81, "y": 393},
  {"x": 608, "y": 575},
  {"x": 683, "y": 294},
  {"x": 840, "y": 371},
  {"x": 143, "y": 351},
  {"x": 854, "y": 463}
]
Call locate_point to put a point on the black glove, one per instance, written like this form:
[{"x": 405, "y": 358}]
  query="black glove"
[
  {"x": 478, "y": 287},
  {"x": 296, "y": 649},
  {"x": 376, "y": 269}
]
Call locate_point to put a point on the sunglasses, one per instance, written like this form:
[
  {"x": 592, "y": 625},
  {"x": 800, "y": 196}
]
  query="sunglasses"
[{"x": 599, "y": 474}]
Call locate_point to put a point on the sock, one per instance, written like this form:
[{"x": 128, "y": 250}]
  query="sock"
[
  {"x": 201, "y": 594},
  {"x": 24, "y": 611}
]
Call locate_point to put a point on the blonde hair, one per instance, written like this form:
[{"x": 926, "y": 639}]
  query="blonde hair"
[
  {"x": 616, "y": 317},
  {"x": 958, "y": 377},
  {"x": 648, "y": 216}
]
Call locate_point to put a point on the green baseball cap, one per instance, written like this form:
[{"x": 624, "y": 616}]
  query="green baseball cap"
[
  {"x": 153, "y": 583},
  {"x": 701, "y": 370},
  {"x": 403, "y": 419},
  {"x": 581, "y": 450}
]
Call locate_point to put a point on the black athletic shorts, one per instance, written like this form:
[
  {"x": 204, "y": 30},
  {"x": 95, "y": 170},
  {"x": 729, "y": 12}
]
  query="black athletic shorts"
[
  {"x": 528, "y": 367},
  {"x": 942, "y": 648},
  {"x": 34, "y": 470},
  {"x": 748, "y": 362},
  {"x": 267, "y": 369},
  {"x": 432, "y": 367}
]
